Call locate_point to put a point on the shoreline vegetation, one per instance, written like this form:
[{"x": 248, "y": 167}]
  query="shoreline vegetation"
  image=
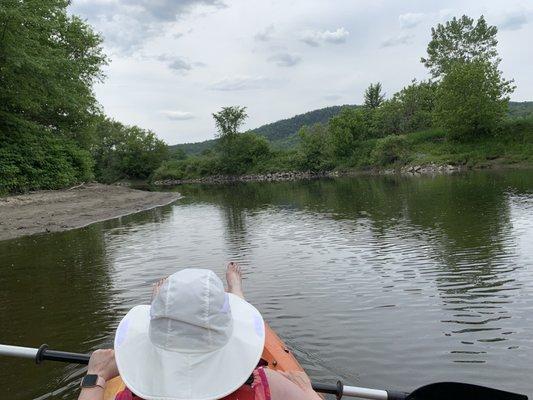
[
  {"x": 59, "y": 136},
  {"x": 48, "y": 211}
]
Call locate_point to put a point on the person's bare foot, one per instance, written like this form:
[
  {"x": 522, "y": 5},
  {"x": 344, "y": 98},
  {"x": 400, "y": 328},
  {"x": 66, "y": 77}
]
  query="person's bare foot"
[{"x": 234, "y": 279}]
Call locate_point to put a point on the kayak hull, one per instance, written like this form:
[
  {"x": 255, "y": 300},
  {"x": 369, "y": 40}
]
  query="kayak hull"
[{"x": 275, "y": 354}]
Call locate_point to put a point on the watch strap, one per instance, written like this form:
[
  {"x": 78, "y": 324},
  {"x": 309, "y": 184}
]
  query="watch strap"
[{"x": 91, "y": 380}]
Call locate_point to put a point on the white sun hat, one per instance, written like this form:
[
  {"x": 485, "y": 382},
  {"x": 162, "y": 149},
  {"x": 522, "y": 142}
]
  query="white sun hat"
[{"x": 194, "y": 342}]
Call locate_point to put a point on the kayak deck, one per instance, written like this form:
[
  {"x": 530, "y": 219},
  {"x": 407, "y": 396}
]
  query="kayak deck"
[{"x": 275, "y": 353}]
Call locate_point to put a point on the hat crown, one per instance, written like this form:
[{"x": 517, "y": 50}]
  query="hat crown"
[{"x": 191, "y": 313}]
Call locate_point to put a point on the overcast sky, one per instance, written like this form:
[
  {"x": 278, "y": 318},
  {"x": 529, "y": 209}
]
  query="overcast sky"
[{"x": 174, "y": 62}]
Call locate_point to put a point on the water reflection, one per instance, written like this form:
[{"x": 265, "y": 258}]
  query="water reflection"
[{"x": 448, "y": 243}]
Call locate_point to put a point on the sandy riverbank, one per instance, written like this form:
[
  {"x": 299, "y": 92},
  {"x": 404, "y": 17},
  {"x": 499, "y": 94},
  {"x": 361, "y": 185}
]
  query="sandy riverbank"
[{"x": 60, "y": 210}]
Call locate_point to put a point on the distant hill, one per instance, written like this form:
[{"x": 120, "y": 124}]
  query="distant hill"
[
  {"x": 520, "y": 109},
  {"x": 282, "y": 133},
  {"x": 279, "y": 132}
]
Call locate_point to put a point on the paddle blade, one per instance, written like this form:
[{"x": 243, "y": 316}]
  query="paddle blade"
[{"x": 461, "y": 391}]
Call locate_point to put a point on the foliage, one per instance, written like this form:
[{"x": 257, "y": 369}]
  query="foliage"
[
  {"x": 417, "y": 102},
  {"x": 229, "y": 120},
  {"x": 178, "y": 154},
  {"x": 472, "y": 99},
  {"x": 242, "y": 152},
  {"x": 347, "y": 129},
  {"x": 282, "y": 134},
  {"x": 190, "y": 168},
  {"x": 126, "y": 152},
  {"x": 49, "y": 61},
  {"x": 314, "y": 149},
  {"x": 392, "y": 149},
  {"x": 461, "y": 40},
  {"x": 245, "y": 152},
  {"x": 523, "y": 109},
  {"x": 373, "y": 96},
  {"x": 31, "y": 158}
]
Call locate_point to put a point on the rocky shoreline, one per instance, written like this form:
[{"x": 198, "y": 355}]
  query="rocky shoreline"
[{"x": 429, "y": 169}]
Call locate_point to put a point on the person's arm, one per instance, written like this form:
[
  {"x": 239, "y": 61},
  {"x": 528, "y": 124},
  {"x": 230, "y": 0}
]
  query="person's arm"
[
  {"x": 101, "y": 363},
  {"x": 292, "y": 385}
]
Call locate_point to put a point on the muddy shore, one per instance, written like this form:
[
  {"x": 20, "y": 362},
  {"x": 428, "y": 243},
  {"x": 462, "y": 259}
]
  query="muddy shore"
[{"x": 60, "y": 210}]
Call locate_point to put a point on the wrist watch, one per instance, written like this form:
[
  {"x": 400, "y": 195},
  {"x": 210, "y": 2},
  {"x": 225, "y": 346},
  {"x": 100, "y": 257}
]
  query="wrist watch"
[{"x": 92, "y": 380}]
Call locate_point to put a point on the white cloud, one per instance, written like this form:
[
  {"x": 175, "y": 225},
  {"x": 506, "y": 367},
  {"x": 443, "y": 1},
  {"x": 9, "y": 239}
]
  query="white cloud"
[
  {"x": 397, "y": 41},
  {"x": 242, "y": 82},
  {"x": 316, "y": 38},
  {"x": 410, "y": 20},
  {"x": 285, "y": 59},
  {"x": 176, "y": 115},
  {"x": 265, "y": 35}
]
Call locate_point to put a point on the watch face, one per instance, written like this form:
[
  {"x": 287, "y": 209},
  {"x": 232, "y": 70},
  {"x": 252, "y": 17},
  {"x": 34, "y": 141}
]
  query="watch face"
[{"x": 89, "y": 381}]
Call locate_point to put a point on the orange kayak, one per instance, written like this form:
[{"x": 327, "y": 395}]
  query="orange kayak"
[{"x": 275, "y": 353}]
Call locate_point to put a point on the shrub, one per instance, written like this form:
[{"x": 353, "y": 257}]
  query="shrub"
[
  {"x": 390, "y": 150},
  {"x": 348, "y": 128},
  {"x": 126, "y": 152},
  {"x": 31, "y": 161},
  {"x": 241, "y": 152},
  {"x": 314, "y": 153}
]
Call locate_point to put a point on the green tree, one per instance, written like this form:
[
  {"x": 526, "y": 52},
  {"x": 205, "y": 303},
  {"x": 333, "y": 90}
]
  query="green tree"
[
  {"x": 348, "y": 129},
  {"x": 126, "y": 152},
  {"x": 243, "y": 152},
  {"x": 49, "y": 62},
  {"x": 409, "y": 110},
  {"x": 314, "y": 149},
  {"x": 461, "y": 40},
  {"x": 373, "y": 96},
  {"x": 229, "y": 120},
  {"x": 472, "y": 99}
]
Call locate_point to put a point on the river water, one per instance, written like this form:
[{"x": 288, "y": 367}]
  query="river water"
[{"x": 386, "y": 282}]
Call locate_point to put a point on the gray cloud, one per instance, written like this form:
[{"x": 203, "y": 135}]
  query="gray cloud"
[
  {"x": 514, "y": 21},
  {"x": 285, "y": 59},
  {"x": 177, "y": 115},
  {"x": 397, "y": 41},
  {"x": 410, "y": 20},
  {"x": 127, "y": 24},
  {"x": 169, "y": 10},
  {"x": 179, "y": 64},
  {"x": 316, "y": 38},
  {"x": 243, "y": 82},
  {"x": 265, "y": 35}
]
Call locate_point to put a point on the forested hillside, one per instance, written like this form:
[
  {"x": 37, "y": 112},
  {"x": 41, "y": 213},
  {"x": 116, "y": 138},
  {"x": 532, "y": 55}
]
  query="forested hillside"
[{"x": 278, "y": 133}]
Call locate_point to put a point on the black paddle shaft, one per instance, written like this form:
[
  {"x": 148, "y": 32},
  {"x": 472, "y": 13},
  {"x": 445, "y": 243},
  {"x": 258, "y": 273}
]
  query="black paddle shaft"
[{"x": 53, "y": 355}]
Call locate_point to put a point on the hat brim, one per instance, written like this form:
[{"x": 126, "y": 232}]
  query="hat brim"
[{"x": 156, "y": 374}]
